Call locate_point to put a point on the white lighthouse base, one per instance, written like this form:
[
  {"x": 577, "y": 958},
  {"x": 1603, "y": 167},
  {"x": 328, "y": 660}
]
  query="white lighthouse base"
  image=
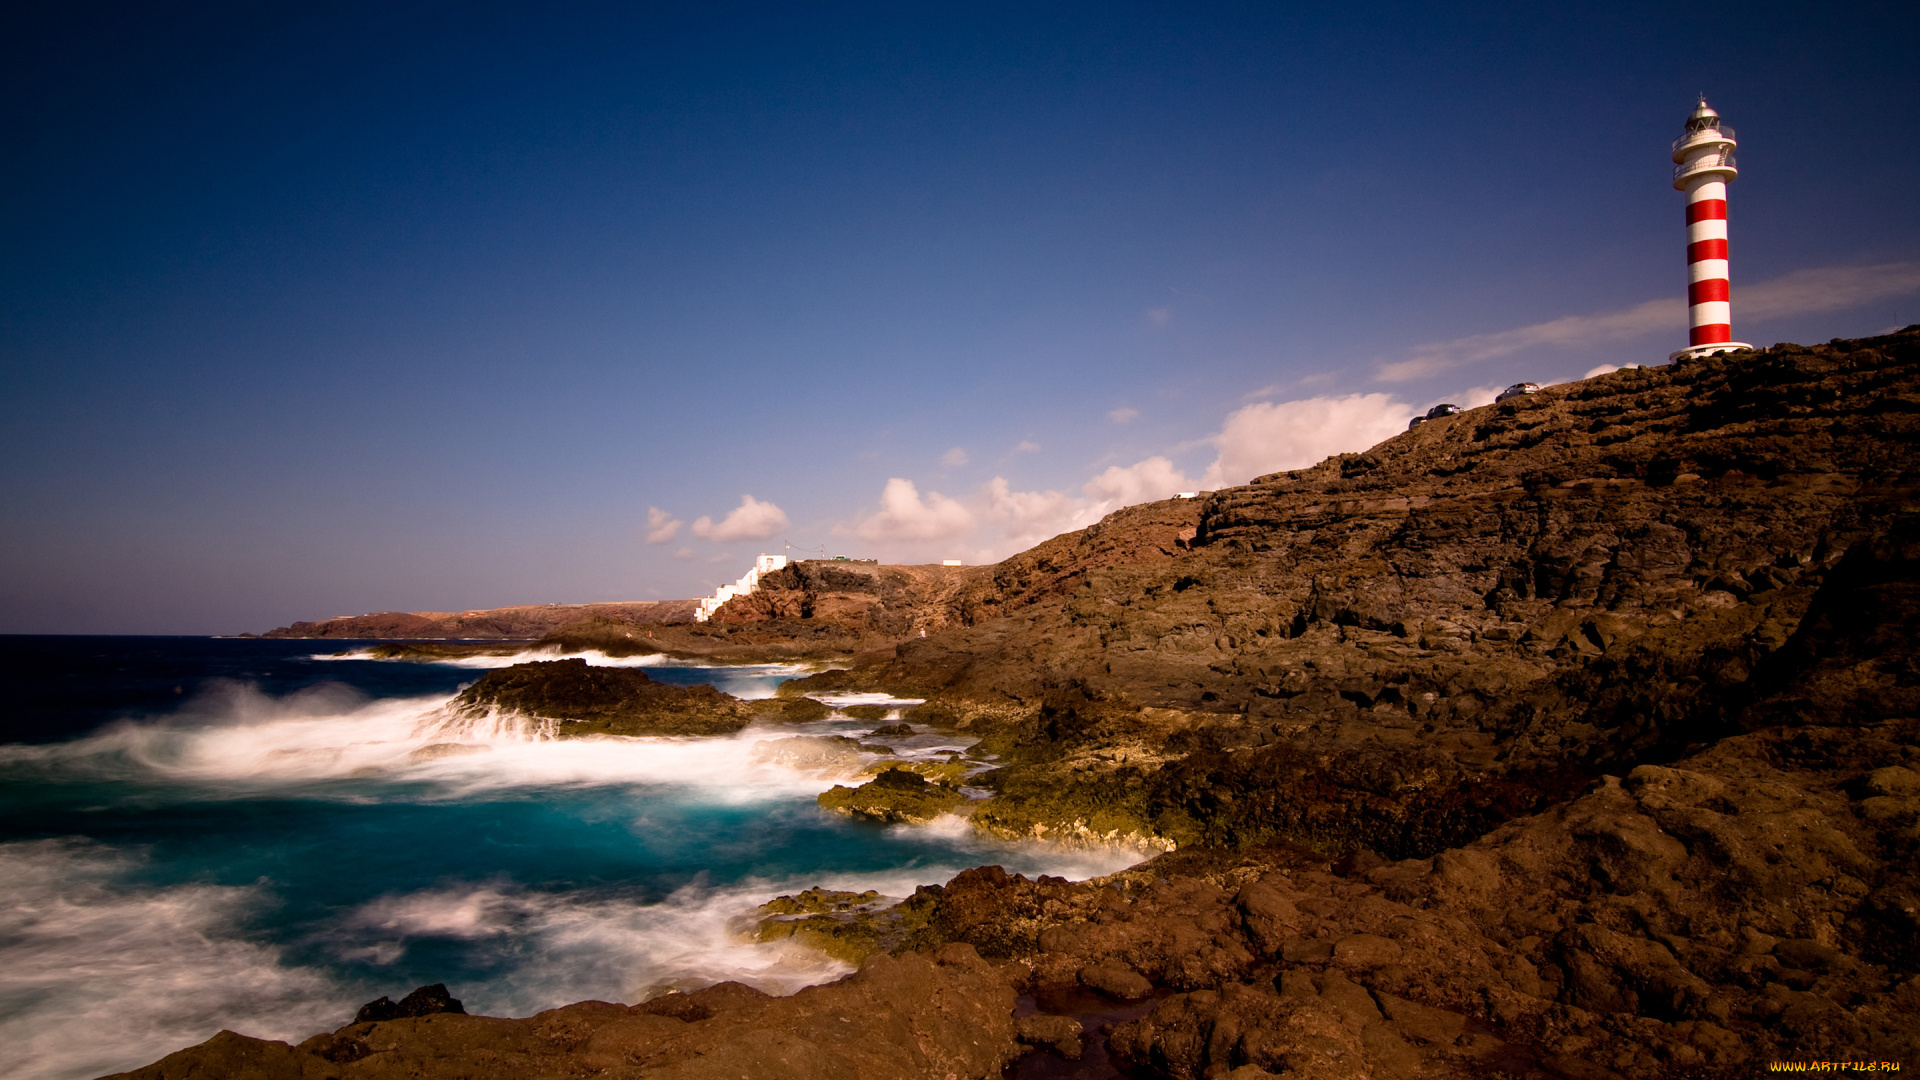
[{"x": 1714, "y": 349}]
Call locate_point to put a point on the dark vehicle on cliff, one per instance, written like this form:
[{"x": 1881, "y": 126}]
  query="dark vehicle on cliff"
[{"x": 1444, "y": 409}]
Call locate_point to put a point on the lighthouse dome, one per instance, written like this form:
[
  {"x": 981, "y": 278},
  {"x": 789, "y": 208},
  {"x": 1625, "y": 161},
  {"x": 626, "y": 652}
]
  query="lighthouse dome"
[{"x": 1703, "y": 118}]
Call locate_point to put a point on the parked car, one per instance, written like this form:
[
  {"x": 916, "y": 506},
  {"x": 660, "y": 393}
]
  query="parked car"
[
  {"x": 1519, "y": 389},
  {"x": 1438, "y": 411},
  {"x": 1416, "y": 422}
]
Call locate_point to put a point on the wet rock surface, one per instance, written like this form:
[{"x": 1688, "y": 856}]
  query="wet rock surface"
[
  {"x": 848, "y": 926},
  {"x": 896, "y": 795},
  {"x": 585, "y": 700}
]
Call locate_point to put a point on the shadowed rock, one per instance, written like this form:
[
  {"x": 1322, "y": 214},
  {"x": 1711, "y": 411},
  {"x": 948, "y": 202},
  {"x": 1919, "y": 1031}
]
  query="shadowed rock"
[
  {"x": 425, "y": 1001},
  {"x": 588, "y": 700}
]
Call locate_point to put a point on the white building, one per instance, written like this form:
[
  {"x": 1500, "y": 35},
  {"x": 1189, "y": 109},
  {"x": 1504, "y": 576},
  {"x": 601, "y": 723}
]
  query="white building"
[{"x": 762, "y": 565}]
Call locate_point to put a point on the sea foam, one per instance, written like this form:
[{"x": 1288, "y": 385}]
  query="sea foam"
[{"x": 99, "y": 976}]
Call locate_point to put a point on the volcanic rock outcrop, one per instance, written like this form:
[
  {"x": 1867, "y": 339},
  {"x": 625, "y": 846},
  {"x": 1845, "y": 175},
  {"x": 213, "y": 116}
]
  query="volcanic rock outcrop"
[
  {"x": 584, "y": 700},
  {"x": 1576, "y": 736},
  {"x": 1398, "y": 650}
]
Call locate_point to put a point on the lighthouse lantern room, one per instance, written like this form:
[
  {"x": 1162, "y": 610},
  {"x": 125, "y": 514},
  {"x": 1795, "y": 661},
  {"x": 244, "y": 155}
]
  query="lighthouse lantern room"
[{"x": 1703, "y": 166}]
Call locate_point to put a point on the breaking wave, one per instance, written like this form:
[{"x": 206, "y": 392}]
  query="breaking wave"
[
  {"x": 236, "y": 742},
  {"x": 747, "y": 681}
]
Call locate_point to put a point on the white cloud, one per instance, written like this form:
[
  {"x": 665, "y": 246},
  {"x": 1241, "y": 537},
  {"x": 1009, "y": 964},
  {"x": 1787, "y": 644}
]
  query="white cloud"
[
  {"x": 1028, "y": 517},
  {"x": 1803, "y": 292},
  {"x": 1269, "y": 437},
  {"x": 661, "y": 526},
  {"x": 1606, "y": 369},
  {"x": 995, "y": 520},
  {"x": 954, "y": 458},
  {"x": 1145, "y": 481},
  {"x": 685, "y": 553},
  {"x": 1435, "y": 357},
  {"x": 751, "y": 520},
  {"x": 1123, "y": 414},
  {"x": 1826, "y": 288},
  {"x": 1026, "y": 446},
  {"x": 1475, "y": 396},
  {"x": 906, "y": 515}
]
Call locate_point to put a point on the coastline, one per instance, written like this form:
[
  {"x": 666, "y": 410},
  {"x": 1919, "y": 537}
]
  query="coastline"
[{"x": 1567, "y": 736}]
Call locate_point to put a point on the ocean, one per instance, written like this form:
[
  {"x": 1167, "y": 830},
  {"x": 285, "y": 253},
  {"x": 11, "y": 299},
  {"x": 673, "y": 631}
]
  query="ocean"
[{"x": 262, "y": 835}]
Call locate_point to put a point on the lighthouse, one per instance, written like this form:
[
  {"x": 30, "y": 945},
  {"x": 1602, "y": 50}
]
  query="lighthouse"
[{"x": 1702, "y": 167}]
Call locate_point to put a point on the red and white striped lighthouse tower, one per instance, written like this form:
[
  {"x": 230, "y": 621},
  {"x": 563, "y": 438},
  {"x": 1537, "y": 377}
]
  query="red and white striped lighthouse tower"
[{"x": 1703, "y": 164}]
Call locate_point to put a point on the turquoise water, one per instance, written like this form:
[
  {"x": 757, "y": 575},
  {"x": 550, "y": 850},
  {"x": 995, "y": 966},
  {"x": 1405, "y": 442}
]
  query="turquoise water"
[{"x": 198, "y": 834}]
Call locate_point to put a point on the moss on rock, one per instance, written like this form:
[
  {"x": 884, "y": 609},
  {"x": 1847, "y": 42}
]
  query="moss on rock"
[
  {"x": 896, "y": 795},
  {"x": 845, "y": 925}
]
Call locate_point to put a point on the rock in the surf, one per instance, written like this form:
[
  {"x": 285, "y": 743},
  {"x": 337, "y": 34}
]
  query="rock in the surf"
[
  {"x": 424, "y": 1001},
  {"x": 896, "y": 795},
  {"x": 816, "y": 753},
  {"x": 585, "y": 700}
]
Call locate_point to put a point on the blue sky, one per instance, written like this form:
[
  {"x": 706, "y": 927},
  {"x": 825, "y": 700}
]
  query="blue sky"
[{"x": 317, "y": 312}]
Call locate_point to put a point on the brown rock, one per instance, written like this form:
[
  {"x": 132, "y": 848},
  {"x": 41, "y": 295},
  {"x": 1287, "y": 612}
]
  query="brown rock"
[
  {"x": 1115, "y": 980},
  {"x": 580, "y": 699},
  {"x": 1365, "y": 951},
  {"x": 1060, "y": 1032}
]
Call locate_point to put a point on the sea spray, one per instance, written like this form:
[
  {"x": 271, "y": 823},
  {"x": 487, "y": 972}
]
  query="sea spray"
[
  {"x": 748, "y": 681},
  {"x": 99, "y": 974}
]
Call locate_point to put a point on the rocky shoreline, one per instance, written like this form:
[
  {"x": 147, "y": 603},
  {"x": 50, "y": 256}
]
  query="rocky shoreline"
[{"x": 1576, "y": 736}]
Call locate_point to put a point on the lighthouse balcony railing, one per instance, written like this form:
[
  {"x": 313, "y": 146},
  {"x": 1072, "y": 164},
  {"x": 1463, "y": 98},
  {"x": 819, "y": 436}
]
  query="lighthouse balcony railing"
[
  {"x": 1723, "y": 159},
  {"x": 1724, "y": 131}
]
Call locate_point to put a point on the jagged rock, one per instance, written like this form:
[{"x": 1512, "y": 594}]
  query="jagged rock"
[
  {"x": 424, "y": 1001},
  {"x": 896, "y": 795},
  {"x": 799, "y": 710},
  {"x": 586, "y": 700}
]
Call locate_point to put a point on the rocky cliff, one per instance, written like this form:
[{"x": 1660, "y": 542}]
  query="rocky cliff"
[
  {"x": 1576, "y": 736},
  {"x": 867, "y": 600},
  {"x": 1396, "y": 649},
  {"x": 510, "y": 623}
]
